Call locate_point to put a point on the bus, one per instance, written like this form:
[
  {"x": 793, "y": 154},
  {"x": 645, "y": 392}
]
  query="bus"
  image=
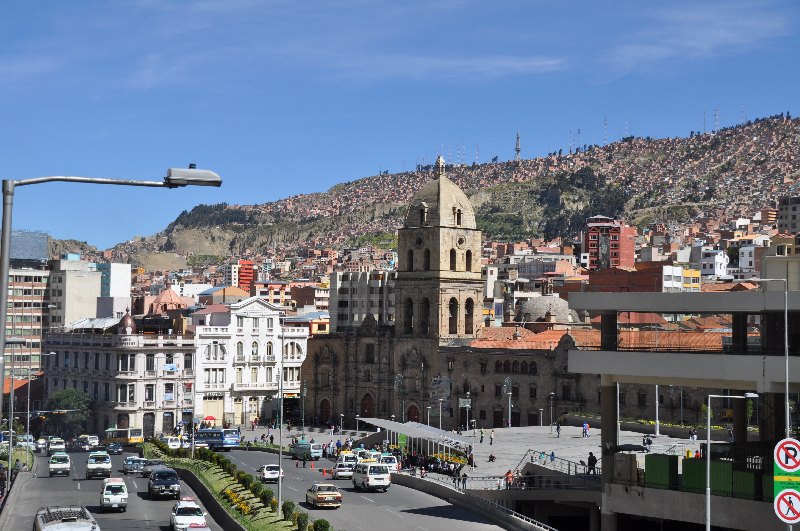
[
  {"x": 123, "y": 436},
  {"x": 219, "y": 439}
]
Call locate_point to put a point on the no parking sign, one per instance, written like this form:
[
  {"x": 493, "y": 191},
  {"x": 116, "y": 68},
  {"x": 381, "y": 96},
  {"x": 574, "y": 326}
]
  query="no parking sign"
[{"x": 786, "y": 475}]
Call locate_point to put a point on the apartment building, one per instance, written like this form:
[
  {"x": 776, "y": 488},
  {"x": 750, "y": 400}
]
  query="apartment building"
[
  {"x": 353, "y": 296},
  {"x": 74, "y": 288},
  {"x": 787, "y": 214},
  {"x": 27, "y": 318},
  {"x": 609, "y": 243}
]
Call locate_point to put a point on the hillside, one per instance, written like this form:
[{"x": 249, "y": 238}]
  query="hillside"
[{"x": 732, "y": 171}]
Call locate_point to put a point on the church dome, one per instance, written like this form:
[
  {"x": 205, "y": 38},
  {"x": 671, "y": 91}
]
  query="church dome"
[
  {"x": 440, "y": 203},
  {"x": 548, "y": 308},
  {"x": 127, "y": 325}
]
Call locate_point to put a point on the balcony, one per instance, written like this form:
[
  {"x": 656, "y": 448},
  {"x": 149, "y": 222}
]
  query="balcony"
[
  {"x": 256, "y": 386},
  {"x": 215, "y": 386}
]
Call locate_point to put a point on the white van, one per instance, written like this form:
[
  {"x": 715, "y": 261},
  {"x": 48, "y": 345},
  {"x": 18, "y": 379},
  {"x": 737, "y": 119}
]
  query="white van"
[
  {"x": 310, "y": 450},
  {"x": 114, "y": 494},
  {"x": 348, "y": 458},
  {"x": 173, "y": 443},
  {"x": 371, "y": 475},
  {"x": 59, "y": 464}
]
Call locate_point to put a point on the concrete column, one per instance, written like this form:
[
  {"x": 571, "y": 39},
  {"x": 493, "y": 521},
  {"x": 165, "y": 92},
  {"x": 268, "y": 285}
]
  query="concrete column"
[
  {"x": 594, "y": 519},
  {"x": 739, "y": 429},
  {"x": 608, "y": 440},
  {"x": 608, "y": 331},
  {"x": 771, "y": 424},
  {"x": 608, "y": 521},
  {"x": 739, "y": 333}
]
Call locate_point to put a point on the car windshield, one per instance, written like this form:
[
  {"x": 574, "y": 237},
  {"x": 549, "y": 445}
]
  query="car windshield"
[
  {"x": 273, "y": 468},
  {"x": 189, "y": 511},
  {"x": 378, "y": 470},
  {"x": 327, "y": 488},
  {"x": 164, "y": 476},
  {"x": 115, "y": 489},
  {"x": 60, "y": 459},
  {"x": 154, "y": 462},
  {"x": 388, "y": 460},
  {"x": 95, "y": 459}
]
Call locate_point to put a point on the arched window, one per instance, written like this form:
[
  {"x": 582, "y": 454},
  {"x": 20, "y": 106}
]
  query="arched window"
[
  {"x": 424, "y": 317},
  {"x": 422, "y": 216},
  {"x": 254, "y": 349},
  {"x": 410, "y": 259},
  {"x": 534, "y": 369},
  {"x": 452, "y": 259},
  {"x": 269, "y": 349},
  {"x": 426, "y": 260},
  {"x": 469, "y": 310},
  {"x": 523, "y": 368},
  {"x": 465, "y": 387},
  {"x": 506, "y": 366},
  {"x": 498, "y": 366},
  {"x": 458, "y": 216},
  {"x": 408, "y": 317},
  {"x": 469, "y": 260},
  {"x": 239, "y": 350},
  {"x": 515, "y": 367},
  {"x": 453, "y": 324}
]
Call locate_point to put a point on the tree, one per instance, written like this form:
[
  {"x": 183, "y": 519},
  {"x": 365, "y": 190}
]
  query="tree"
[{"x": 68, "y": 424}]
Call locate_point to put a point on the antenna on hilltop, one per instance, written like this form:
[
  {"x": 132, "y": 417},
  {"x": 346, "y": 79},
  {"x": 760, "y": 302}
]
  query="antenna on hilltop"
[
  {"x": 517, "y": 149},
  {"x": 742, "y": 116},
  {"x": 716, "y": 120},
  {"x": 605, "y": 131},
  {"x": 704, "y": 121},
  {"x": 477, "y": 154}
]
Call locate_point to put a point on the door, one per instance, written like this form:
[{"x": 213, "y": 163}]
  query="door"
[
  {"x": 149, "y": 425},
  {"x": 515, "y": 418},
  {"x": 533, "y": 419},
  {"x": 237, "y": 411},
  {"x": 325, "y": 412},
  {"x": 212, "y": 407},
  {"x": 497, "y": 419}
]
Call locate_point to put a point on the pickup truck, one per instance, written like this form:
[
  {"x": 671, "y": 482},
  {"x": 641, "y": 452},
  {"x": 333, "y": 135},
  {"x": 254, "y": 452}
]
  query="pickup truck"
[
  {"x": 98, "y": 465},
  {"x": 59, "y": 464}
]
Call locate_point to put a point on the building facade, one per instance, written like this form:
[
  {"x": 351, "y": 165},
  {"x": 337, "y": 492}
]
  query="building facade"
[{"x": 609, "y": 243}]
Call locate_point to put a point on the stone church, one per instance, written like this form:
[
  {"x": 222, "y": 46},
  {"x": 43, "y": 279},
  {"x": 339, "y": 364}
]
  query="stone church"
[{"x": 438, "y": 357}]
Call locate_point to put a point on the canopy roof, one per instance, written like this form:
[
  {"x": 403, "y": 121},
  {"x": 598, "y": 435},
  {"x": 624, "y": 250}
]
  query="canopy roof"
[{"x": 422, "y": 431}]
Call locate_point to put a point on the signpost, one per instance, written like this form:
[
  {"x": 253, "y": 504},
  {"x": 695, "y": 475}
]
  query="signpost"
[
  {"x": 786, "y": 477},
  {"x": 402, "y": 441},
  {"x": 464, "y": 402}
]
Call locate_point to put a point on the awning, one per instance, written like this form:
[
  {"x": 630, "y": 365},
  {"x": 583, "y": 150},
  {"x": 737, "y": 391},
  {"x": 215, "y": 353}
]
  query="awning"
[{"x": 423, "y": 431}]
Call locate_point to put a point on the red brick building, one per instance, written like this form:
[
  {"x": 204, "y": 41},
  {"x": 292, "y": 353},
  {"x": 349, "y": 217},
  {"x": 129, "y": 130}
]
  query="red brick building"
[{"x": 609, "y": 243}]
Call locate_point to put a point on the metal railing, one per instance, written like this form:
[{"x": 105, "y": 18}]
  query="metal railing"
[
  {"x": 530, "y": 482},
  {"x": 557, "y": 464}
]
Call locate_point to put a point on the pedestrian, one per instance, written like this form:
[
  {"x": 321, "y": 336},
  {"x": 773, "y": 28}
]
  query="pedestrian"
[
  {"x": 464, "y": 480},
  {"x": 305, "y": 458},
  {"x": 584, "y": 430},
  {"x": 272, "y": 440},
  {"x": 509, "y": 479},
  {"x": 552, "y": 456},
  {"x": 592, "y": 461},
  {"x": 3, "y": 479},
  {"x": 558, "y": 430},
  {"x": 491, "y": 438},
  {"x": 730, "y": 435},
  {"x": 482, "y": 433},
  {"x": 587, "y": 430}
]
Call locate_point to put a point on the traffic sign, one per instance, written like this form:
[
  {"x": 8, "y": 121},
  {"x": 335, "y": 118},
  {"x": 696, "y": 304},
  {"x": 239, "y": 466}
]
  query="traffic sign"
[
  {"x": 787, "y": 455},
  {"x": 787, "y": 506},
  {"x": 464, "y": 402}
]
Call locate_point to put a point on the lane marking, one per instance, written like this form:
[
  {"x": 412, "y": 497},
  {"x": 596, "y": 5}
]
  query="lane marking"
[
  {"x": 371, "y": 501},
  {"x": 79, "y": 485},
  {"x": 294, "y": 489},
  {"x": 135, "y": 486}
]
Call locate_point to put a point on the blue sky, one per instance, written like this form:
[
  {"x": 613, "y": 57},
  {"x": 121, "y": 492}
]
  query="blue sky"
[{"x": 285, "y": 97}]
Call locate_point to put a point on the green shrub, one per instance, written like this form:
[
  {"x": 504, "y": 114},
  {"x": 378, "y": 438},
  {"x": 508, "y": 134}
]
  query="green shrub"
[
  {"x": 287, "y": 508},
  {"x": 240, "y": 474},
  {"x": 267, "y": 496},
  {"x": 322, "y": 525},
  {"x": 230, "y": 468},
  {"x": 257, "y": 488},
  {"x": 273, "y": 504},
  {"x": 295, "y": 514},
  {"x": 301, "y": 521},
  {"x": 247, "y": 481}
]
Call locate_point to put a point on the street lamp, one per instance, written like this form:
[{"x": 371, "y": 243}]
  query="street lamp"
[
  {"x": 509, "y": 408},
  {"x": 552, "y": 398},
  {"x": 28, "y": 426},
  {"x": 341, "y": 423},
  {"x": 440, "y": 413},
  {"x": 785, "y": 344},
  {"x": 303, "y": 408},
  {"x": 468, "y": 407},
  {"x": 429, "y": 415},
  {"x": 708, "y": 452},
  {"x": 357, "y": 416},
  {"x": 176, "y": 178}
]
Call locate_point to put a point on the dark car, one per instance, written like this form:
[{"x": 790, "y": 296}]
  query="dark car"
[
  {"x": 133, "y": 464},
  {"x": 114, "y": 449},
  {"x": 150, "y": 465},
  {"x": 164, "y": 482}
]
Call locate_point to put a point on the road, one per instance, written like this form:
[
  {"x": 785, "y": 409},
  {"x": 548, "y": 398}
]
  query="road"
[
  {"x": 142, "y": 513},
  {"x": 398, "y": 508}
]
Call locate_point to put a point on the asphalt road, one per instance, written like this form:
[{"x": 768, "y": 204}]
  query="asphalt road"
[
  {"x": 142, "y": 513},
  {"x": 400, "y": 508}
]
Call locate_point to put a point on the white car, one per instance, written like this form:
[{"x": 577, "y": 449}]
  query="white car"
[
  {"x": 270, "y": 473},
  {"x": 173, "y": 443},
  {"x": 343, "y": 471},
  {"x": 185, "y": 513}
]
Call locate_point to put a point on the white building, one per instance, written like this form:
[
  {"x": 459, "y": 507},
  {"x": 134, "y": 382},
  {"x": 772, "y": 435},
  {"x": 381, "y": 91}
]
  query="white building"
[
  {"x": 239, "y": 365},
  {"x": 74, "y": 288},
  {"x": 713, "y": 262},
  {"x": 747, "y": 260},
  {"x": 355, "y": 295}
]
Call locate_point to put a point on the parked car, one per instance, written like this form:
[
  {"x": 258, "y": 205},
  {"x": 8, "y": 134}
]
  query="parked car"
[
  {"x": 132, "y": 465},
  {"x": 324, "y": 495},
  {"x": 270, "y": 473},
  {"x": 164, "y": 482}
]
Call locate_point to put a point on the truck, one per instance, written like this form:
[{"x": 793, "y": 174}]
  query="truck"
[{"x": 98, "y": 465}]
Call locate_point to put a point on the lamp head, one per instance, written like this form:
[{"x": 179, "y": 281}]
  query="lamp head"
[
  {"x": 178, "y": 177},
  {"x": 751, "y": 395}
]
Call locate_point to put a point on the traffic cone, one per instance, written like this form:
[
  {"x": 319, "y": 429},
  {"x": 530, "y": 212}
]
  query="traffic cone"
[
  {"x": 323, "y": 472},
  {"x": 312, "y": 465}
]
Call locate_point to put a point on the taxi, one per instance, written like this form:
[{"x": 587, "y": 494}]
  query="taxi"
[
  {"x": 114, "y": 494},
  {"x": 187, "y": 514}
]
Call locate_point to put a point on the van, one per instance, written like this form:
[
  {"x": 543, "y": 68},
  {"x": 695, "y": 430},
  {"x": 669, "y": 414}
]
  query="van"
[
  {"x": 371, "y": 475},
  {"x": 348, "y": 458},
  {"x": 390, "y": 461},
  {"x": 310, "y": 450},
  {"x": 59, "y": 464},
  {"x": 60, "y": 517},
  {"x": 173, "y": 443},
  {"x": 114, "y": 494}
]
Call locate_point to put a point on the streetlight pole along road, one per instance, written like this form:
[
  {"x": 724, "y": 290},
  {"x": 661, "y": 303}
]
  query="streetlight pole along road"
[{"x": 176, "y": 178}]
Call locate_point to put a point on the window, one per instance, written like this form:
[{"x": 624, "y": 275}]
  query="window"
[
  {"x": 86, "y": 360},
  {"x": 150, "y": 362},
  {"x": 469, "y": 260},
  {"x": 107, "y": 392},
  {"x": 108, "y": 363},
  {"x": 424, "y": 317},
  {"x": 498, "y": 366},
  {"x": 239, "y": 351},
  {"x": 75, "y": 361},
  {"x": 498, "y": 391},
  {"x": 369, "y": 353},
  {"x": 254, "y": 349},
  {"x": 238, "y": 375},
  {"x": 532, "y": 392},
  {"x": 410, "y": 260},
  {"x": 515, "y": 391},
  {"x": 408, "y": 321},
  {"x": 66, "y": 359},
  {"x": 269, "y": 349},
  {"x": 97, "y": 361},
  {"x": 253, "y": 374},
  {"x": 255, "y": 322},
  {"x": 187, "y": 362},
  {"x": 515, "y": 367},
  {"x": 642, "y": 399},
  {"x": 239, "y": 322},
  {"x": 506, "y": 366},
  {"x": 566, "y": 392},
  {"x": 534, "y": 368},
  {"x": 453, "y": 321},
  {"x": 452, "y": 259},
  {"x": 523, "y": 367},
  {"x": 169, "y": 391},
  {"x": 469, "y": 309},
  {"x": 95, "y": 390},
  {"x": 426, "y": 260},
  {"x": 458, "y": 216},
  {"x": 149, "y": 392}
]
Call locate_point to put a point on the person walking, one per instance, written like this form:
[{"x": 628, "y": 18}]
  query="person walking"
[
  {"x": 592, "y": 462},
  {"x": 482, "y": 433},
  {"x": 491, "y": 438},
  {"x": 558, "y": 430},
  {"x": 509, "y": 479},
  {"x": 464, "y": 480}
]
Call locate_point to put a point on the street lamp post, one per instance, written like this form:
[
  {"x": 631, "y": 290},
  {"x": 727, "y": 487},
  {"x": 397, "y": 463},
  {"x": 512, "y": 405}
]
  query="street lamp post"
[
  {"x": 341, "y": 423},
  {"x": 469, "y": 405},
  {"x": 656, "y": 433},
  {"x": 303, "y": 408},
  {"x": 552, "y": 398},
  {"x": 708, "y": 452},
  {"x": 176, "y": 178},
  {"x": 429, "y": 415},
  {"x": 785, "y": 345},
  {"x": 509, "y": 408},
  {"x": 440, "y": 412},
  {"x": 280, "y": 413},
  {"x": 357, "y": 416}
]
